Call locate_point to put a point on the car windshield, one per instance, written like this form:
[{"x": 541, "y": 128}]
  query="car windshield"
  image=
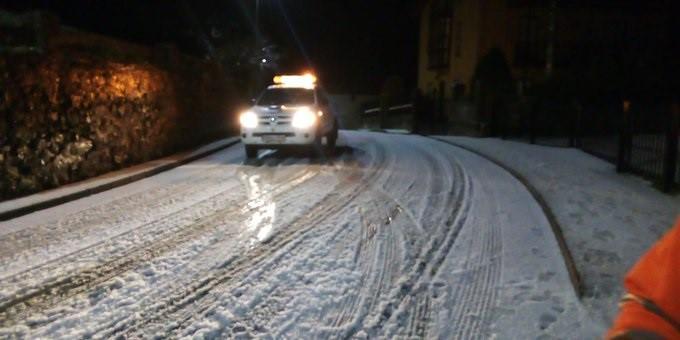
[{"x": 286, "y": 96}]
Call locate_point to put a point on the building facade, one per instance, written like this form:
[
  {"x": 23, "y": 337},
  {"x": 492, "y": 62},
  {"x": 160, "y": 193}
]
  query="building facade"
[
  {"x": 537, "y": 38},
  {"x": 454, "y": 35}
]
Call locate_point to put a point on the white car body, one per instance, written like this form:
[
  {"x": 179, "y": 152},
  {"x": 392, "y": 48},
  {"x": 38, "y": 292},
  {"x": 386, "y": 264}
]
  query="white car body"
[{"x": 276, "y": 128}]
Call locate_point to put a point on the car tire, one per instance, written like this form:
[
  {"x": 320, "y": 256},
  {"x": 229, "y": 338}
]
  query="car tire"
[
  {"x": 316, "y": 148},
  {"x": 331, "y": 140},
  {"x": 251, "y": 151}
]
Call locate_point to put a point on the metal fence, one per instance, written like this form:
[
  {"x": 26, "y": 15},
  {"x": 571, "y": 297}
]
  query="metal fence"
[
  {"x": 642, "y": 140},
  {"x": 394, "y": 117},
  {"x": 649, "y": 146}
]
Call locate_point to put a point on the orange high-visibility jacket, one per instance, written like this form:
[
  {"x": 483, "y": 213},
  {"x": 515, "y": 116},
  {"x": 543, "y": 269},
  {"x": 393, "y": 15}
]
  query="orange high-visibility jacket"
[{"x": 652, "y": 304}]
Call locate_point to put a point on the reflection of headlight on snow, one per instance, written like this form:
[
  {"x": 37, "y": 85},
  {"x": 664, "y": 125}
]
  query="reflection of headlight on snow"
[
  {"x": 248, "y": 119},
  {"x": 303, "y": 118}
]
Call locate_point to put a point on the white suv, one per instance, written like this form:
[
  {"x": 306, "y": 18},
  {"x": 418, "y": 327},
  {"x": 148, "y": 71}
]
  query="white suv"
[{"x": 291, "y": 112}]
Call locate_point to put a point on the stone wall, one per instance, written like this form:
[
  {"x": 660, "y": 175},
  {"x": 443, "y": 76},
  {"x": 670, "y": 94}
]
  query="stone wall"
[{"x": 82, "y": 105}]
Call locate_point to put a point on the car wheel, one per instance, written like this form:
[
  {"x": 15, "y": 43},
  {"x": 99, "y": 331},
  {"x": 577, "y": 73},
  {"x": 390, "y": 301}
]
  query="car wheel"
[
  {"x": 316, "y": 148},
  {"x": 251, "y": 151},
  {"x": 331, "y": 140}
]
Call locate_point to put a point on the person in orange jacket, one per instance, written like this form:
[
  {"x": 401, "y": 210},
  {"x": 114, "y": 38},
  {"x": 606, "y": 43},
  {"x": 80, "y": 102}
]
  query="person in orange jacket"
[{"x": 651, "y": 307}]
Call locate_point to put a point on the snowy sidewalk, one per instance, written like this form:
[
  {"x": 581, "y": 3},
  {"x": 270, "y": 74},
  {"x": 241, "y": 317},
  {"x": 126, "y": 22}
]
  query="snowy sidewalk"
[
  {"x": 609, "y": 220},
  {"x": 46, "y": 199}
]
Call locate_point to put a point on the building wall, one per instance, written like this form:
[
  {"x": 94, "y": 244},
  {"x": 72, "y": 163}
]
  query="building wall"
[
  {"x": 477, "y": 26},
  {"x": 425, "y": 76},
  {"x": 467, "y": 16},
  {"x": 600, "y": 51},
  {"x": 614, "y": 31}
]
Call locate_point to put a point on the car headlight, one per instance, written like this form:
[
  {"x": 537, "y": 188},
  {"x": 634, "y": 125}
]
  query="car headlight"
[
  {"x": 303, "y": 118},
  {"x": 248, "y": 119}
]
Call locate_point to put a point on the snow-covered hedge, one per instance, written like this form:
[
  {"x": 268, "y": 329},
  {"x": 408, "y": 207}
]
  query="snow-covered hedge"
[{"x": 85, "y": 104}]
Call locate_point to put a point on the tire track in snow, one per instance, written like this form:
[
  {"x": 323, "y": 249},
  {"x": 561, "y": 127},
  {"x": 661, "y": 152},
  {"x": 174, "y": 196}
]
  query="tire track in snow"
[
  {"x": 419, "y": 312},
  {"x": 411, "y": 297},
  {"x": 190, "y": 297},
  {"x": 370, "y": 232},
  {"x": 231, "y": 258},
  {"x": 135, "y": 206},
  {"x": 477, "y": 299},
  {"x": 480, "y": 294},
  {"x": 355, "y": 191},
  {"x": 415, "y": 247},
  {"x": 207, "y": 203},
  {"x": 263, "y": 311},
  {"x": 473, "y": 289},
  {"x": 378, "y": 264},
  {"x": 194, "y": 295},
  {"x": 59, "y": 289},
  {"x": 385, "y": 264},
  {"x": 22, "y": 276},
  {"x": 434, "y": 171},
  {"x": 376, "y": 259},
  {"x": 157, "y": 203}
]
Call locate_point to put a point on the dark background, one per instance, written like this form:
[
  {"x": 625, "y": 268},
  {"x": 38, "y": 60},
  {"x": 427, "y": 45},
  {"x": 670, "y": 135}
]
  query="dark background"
[{"x": 354, "y": 45}]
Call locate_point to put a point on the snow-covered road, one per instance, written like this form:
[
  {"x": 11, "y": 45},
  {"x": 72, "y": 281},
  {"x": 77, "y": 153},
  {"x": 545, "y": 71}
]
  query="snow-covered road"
[{"x": 399, "y": 236}]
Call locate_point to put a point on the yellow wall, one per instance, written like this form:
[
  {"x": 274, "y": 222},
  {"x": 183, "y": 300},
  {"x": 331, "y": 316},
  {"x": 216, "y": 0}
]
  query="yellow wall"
[
  {"x": 484, "y": 24},
  {"x": 466, "y": 16},
  {"x": 426, "y": 78}
]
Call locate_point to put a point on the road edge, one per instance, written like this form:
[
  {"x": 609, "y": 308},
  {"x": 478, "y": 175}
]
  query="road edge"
[
  {"x": 574, "y": 275},
  {"x": 184, "y": 158}
]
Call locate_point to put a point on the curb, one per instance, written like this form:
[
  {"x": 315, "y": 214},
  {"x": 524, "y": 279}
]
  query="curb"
[
  {"x": 52, "y": 202},
  {"x": 569, "y": 262}
]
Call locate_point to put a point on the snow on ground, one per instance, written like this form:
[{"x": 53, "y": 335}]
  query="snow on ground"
[
  {"x": 398, "y": 236},
  {"x": 609, "y": 219}
]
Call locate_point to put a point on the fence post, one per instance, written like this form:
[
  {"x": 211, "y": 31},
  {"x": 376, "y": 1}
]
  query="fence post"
[
  {"x": 575, "y": 124},
  {"x": 671, "y": 150},
  {"x": 382, "y": 118},
  {"x": 414, "y": 117},
  {"x": 625, "y": 139},
  {"x": 532, "y": 124}
]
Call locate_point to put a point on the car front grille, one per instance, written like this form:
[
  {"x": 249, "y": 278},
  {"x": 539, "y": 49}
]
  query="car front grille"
[
  {"x": 261, "y": 134},
  {"x": 275, "y": 119}
]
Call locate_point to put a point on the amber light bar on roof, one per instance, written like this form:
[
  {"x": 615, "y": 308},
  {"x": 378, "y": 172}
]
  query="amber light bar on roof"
[{"x": 305, "y": 80}]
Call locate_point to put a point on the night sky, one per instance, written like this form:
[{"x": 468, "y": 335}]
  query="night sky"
[{"x": 352, "y": 44}]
